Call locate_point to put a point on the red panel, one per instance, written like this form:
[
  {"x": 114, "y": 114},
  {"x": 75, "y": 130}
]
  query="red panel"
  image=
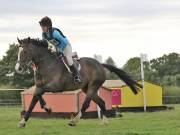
[
  {"x": 106, "y": 96},
  {"x": 58, "y": 102},
  {"x": 70, "y": 102},
  {"x": 116, "y": 96},
  {"x": 92, "y": 107}
]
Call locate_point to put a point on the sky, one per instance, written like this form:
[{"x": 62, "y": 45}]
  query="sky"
[{"x": 121, "y": 29}]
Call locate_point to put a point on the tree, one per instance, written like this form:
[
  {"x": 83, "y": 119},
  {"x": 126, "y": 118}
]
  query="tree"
[
  {"x": 8, "y": 74},
  {"x": 167, "y": 64},
  {"x": 110, "y": 75},
  {"x": 168, "y": 80},
  {"x": 178, "y": 80},
  {"x": 167, "y": 67},
  {"x": 163, "y": 70},
  {"x": 132, "y": 67}
]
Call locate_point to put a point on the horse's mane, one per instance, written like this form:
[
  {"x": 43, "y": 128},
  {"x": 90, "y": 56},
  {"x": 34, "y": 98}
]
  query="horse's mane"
[
  {"x": 39, "y": 42},
  {"x": 36, "y": 41}
]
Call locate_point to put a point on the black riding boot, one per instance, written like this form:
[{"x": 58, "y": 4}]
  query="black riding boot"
[{"x": 76, "y": 75}]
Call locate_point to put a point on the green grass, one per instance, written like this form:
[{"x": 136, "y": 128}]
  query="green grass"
[{"x": 154, "y": 123}]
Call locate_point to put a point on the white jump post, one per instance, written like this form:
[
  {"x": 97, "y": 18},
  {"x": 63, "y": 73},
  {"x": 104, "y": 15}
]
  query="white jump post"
[{"x": 143, "y": 59}]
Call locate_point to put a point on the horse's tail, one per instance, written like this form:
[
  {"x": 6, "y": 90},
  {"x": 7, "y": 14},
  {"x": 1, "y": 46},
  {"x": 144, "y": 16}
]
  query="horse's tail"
[{"x": 125, "y": 77}]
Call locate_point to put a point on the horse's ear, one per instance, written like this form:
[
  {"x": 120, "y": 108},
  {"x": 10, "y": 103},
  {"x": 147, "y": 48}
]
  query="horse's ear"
[
  {"x": 19, "y": 41},
  {"x": 29, "y": 39}
]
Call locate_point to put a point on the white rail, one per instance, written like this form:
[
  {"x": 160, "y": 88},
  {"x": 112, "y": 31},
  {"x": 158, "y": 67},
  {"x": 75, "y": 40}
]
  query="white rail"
[
  {"x": 11, "y": 102},
  {"x": 12, "y": 89}
]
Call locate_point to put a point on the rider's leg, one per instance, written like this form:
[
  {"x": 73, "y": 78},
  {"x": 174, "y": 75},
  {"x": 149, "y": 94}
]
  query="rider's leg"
[
  {"x": 68, "y": 53},
  {"x": 74, "y": 70}
]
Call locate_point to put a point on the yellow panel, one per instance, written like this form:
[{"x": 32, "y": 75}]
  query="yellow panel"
[
  {"x": 153, "y": 96},
  {"x": 129, "y": 99}
]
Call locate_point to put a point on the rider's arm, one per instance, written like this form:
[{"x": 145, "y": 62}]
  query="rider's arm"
[{"x": 62, "y": 41}]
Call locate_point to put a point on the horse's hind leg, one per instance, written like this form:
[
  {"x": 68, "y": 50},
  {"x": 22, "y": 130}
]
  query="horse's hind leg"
[
  {"x": 83, "y": 109},
  {"x": 92, "y": 90},
  {"x": 102, "y": 106}
]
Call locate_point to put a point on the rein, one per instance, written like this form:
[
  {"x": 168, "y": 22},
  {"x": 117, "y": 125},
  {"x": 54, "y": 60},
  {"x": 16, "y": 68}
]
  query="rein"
[{"x": 35, "y": 62}]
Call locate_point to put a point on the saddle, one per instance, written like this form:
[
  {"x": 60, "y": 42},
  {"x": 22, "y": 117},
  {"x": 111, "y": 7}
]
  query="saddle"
[{"x": 61, "y": 56}]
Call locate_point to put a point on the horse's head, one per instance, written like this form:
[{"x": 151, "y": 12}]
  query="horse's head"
[{"x": 24, "y": 55}]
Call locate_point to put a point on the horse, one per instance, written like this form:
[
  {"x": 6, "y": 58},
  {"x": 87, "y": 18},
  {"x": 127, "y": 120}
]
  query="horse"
[{"x": 52, "y": 75}]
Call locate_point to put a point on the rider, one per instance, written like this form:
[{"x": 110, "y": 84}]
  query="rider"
[{"x": 61, "y": 43}]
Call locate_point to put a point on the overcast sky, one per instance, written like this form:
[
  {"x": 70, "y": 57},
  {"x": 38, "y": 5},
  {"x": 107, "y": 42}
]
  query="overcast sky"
[{"x": 118, "y": 28}]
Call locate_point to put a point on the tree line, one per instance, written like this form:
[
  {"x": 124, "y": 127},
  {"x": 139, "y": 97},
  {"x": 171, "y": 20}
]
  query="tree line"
[{"x": 164, "y": 70}]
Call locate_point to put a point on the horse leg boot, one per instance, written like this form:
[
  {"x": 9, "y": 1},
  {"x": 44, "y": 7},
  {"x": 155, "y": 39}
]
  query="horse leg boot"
[{"x": 27, "y": 114}]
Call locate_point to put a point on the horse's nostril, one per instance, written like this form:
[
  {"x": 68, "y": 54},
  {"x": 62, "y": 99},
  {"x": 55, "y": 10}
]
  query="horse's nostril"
[{"x": 20, "y": 69}]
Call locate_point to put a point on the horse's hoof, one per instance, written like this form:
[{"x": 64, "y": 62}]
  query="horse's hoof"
[
  {"x": 104, "y": 121},
  {"x": 22, "y": 123},
  {"x": 120, "y": 115},
  {"x": 49, "y": 111},
  {"x": 103, "y": 124},
  {"x": 72, "y": 124}
]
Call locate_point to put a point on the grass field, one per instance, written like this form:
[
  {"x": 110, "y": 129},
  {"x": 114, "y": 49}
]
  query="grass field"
[{"x": 149, "y": 123}]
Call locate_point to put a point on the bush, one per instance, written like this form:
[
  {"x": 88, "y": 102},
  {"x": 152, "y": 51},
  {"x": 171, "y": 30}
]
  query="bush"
[
  {"x": 178, "y": 80},
  {"x": 171, "y": 95},
  {"x": 171, "y": 91}
]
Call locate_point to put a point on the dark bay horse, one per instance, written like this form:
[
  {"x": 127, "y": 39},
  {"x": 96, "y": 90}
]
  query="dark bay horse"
[{"x": 53, "y": 76}]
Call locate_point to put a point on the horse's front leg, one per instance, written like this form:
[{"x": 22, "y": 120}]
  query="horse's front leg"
[
  {"x": 38, "y": 81},
  {"x": 50, "y": 87},
  {"x": 37, "y": 94}
]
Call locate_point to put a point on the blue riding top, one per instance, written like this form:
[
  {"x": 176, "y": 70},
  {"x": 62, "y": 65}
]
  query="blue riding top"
[{"x": 56, "y": 35}]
